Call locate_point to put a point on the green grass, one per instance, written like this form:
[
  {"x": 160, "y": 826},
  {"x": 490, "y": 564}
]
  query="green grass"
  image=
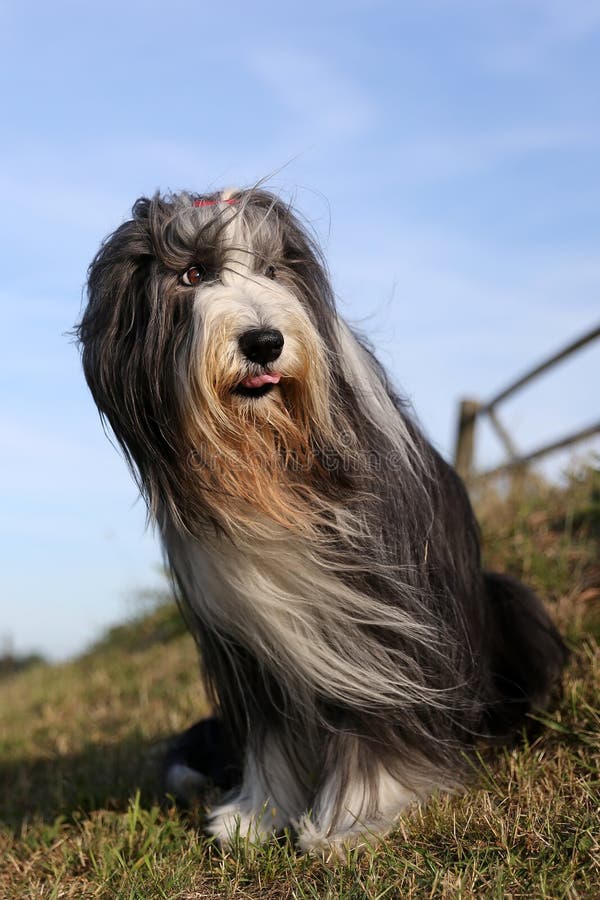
[{"x": 80, "y": 808}]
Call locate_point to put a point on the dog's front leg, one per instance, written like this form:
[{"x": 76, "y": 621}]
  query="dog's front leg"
[
  {"x": 269, "y": 798},
  {"x": 359, "y": 800}
]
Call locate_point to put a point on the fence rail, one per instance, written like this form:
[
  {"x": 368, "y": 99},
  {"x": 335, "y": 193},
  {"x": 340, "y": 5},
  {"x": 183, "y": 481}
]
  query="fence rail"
[{"x": 471, "y": 410}]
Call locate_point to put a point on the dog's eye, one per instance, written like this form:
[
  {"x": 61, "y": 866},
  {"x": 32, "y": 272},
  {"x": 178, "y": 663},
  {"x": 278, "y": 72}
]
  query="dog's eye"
[
  {"x": 193, "y": 276},
  {"x": 270, "y": 272}
]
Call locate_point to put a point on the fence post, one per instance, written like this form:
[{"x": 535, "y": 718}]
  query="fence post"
[{"x": 465, "y": 438}]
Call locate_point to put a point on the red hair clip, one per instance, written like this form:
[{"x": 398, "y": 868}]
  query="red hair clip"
[{"x": 214, "y": 202}]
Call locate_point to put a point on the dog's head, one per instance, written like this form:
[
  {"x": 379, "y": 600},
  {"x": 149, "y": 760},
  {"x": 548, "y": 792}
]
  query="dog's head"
[{"x": 207, "y": 343}]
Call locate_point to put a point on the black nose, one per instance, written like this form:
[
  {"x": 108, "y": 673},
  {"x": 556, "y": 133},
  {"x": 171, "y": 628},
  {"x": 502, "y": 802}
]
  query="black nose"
[{"x": 261, "y": 345}]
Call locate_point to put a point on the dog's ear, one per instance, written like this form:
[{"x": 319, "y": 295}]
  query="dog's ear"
[
  {"x": 112, "y": 327},
  {"x": 130, "y": 335},
  {"x": 124, "y": 335}
]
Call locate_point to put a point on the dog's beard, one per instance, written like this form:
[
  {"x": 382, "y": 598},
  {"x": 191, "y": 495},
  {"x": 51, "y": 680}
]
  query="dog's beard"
[{"x": 257, "y": 456}]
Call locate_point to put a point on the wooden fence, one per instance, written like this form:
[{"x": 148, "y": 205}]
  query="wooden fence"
[{"x": 472, "y": 410}]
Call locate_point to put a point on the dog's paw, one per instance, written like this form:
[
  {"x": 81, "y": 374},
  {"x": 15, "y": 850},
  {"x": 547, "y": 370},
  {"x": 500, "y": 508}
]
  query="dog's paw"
[
  {"x": 328, "y": 845},
  {"x": 185, "y": 784},
  {"x": 230, "y": 822}
]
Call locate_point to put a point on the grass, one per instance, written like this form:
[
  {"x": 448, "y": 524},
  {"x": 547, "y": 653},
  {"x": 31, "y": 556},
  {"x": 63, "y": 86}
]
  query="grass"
[{"x": 81, "y": 814}]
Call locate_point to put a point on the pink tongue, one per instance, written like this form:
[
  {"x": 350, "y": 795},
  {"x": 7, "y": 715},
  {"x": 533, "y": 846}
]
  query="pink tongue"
[{"x": 256, "y": 381}]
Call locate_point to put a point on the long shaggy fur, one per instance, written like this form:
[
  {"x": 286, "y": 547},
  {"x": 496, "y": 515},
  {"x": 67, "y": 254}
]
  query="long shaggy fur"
[{"x": 325, "y": 556}]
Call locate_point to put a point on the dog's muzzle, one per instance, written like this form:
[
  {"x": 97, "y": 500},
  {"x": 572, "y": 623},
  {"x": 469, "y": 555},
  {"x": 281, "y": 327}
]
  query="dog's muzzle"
[{"x": 260, "y": 346}]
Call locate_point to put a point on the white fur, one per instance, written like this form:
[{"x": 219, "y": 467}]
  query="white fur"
[
  {"x": 297, "y": 606},
  {"x": 281, "y": 588},
  {"x": 374, "y": 401},
  {"x": 268, "y": 800},
  {"x": 348, "y": 810},
  {"x": 368, "y": 810}
]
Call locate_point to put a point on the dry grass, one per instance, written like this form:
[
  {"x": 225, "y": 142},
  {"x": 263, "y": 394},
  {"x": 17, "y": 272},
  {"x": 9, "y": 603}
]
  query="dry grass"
[{"x": 80, "y": 810}]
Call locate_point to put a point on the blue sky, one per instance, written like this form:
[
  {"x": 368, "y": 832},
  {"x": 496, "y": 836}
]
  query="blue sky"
[{"x": 447, "y": 153}]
